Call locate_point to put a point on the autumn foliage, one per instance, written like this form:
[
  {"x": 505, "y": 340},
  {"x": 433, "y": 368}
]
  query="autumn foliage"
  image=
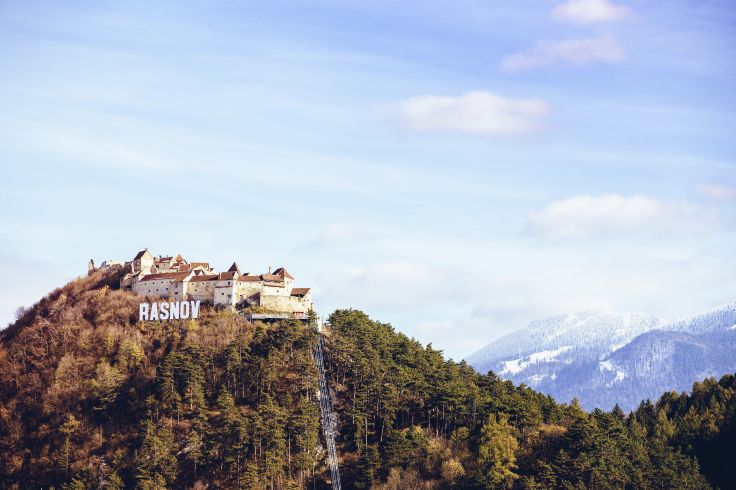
[{"x": 91, "y": 398}]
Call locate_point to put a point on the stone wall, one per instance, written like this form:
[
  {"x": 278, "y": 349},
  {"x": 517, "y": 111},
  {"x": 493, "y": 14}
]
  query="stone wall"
[
  {"x": 161, "y": 288},
  {"x": 225, "y": 293},
  {"x": 201, "y": 290},
  {"x": 288, "y": 304}
]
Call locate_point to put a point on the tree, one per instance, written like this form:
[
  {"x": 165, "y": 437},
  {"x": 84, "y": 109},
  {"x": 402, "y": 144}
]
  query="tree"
[
  {"x": 106, "y": 385},
  {"x": 68, "y": 428},
  {"x": 227, "y": 438},
  {"x": 155, "y": 461},
  {"x": 452, "y": 470},
  {"x": 664, "y": 430},
  {"x": 497, "y": 453},
  {"x": 368, "y": 463}
]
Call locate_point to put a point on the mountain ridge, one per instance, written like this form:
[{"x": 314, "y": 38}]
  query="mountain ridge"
[{"x": 614, "y": 358}]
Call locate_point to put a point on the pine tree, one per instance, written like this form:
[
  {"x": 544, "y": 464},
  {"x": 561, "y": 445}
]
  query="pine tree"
[
  {"x": 68, "y": 428},
  {"x": 497, "y": 453},
  {"x": 227, "y": 438},
  {"x": 664, "y": 430},
  {"x": 368, "y": 464},
  {"x": 155, "y": 461}
]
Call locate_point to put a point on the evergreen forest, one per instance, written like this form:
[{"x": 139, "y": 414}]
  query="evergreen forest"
[{"x": 91, "y": 398}]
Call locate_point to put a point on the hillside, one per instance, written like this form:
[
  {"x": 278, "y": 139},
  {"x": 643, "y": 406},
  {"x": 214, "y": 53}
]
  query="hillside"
[
  {"x": 89, "y": 398},
  {"x": 604, "y": 359}
]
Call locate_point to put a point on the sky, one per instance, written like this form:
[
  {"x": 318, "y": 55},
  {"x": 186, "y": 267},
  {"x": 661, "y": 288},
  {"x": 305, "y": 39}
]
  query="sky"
[{"x": 454, "y": 168}]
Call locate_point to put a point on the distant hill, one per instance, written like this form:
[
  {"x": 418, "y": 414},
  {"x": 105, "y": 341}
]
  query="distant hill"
[
  {"x": 604, "y": 359},
  {"x": 90, "y": 398}
]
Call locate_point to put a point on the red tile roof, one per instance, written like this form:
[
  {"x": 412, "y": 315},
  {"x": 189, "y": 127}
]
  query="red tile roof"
[
  {"x": 249, "y": 278},
  {"x": 226, "y": 276},
  {"x": 300, "y": 291},
  {"x": 203, "y": 278},
  {"x": 175, "y": 276},
  {"x": 283, "y": 273},
  {"x": 272, "y": 277}
]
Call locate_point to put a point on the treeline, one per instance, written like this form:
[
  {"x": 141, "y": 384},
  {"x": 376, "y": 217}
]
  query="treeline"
[
  {"x": 89, "y": 398},
  {"x": 411, "y": 419}
]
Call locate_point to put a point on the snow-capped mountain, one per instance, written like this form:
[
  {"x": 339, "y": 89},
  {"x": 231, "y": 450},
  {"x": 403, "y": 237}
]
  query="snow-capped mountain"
[
  {"x": 545, "y": 345},
  {"x": 606, "y": 358}
]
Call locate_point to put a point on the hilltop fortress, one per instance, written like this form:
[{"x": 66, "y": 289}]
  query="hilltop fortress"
[{"x": 178, "y": 280}]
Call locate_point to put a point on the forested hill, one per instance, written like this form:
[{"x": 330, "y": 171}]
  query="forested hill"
[{"x": 89, "y": 398}]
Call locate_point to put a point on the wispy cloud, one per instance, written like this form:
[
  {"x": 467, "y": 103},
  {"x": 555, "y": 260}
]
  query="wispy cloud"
[
  {"x": 478, "y": 112},
  {"x": 583, "y": 216},
  {"x": 341, "y": 234},
  {"x": 397, "y": 285},
  {"x": 720, "y": 192},
  {"x": 565, "y": 52},
  {"x": 590, "y": 11},
  {"x": 101, "y": 152}
]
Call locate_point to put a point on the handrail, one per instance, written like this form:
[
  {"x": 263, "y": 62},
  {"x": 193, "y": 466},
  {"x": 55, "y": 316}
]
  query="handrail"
[{"x": 328, "y": 422}]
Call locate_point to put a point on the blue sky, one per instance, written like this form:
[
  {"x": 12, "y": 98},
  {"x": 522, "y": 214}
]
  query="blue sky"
[{"x": 455, "y": 168}]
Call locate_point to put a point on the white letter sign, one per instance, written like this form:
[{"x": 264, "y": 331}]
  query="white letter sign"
[{"x": 173, "y": 310}]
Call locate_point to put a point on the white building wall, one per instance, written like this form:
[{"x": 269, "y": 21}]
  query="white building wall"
[
  {"x": 162, "y": 288},
  {"x": 178, "y": 290},
  {"x": 201, "y": 290},
  {"x": 225, "y": 293},
  {"x": 270, "y": 289}
]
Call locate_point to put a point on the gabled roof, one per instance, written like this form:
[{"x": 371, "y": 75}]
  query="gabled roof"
[
  {"x": 272, "y": 278},
  {"x": 143, "y": 252},
  {"x": 204, "y": 278},
  {"x": 301, "y": 292},
  {"x": 283, "y": 273},
  {"x": 234, "y": 268},
  {"x": 226, "y": 276},
  {"x": 199, "y": 264},
  {"x": 249, "y": 278},
  {"x": 175, "y": 276},
  {"x": 179, "y": 259}
]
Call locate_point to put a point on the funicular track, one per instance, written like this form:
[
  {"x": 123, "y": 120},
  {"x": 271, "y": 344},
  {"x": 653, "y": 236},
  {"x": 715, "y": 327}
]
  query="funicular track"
[{"x": 328, "y": 419}]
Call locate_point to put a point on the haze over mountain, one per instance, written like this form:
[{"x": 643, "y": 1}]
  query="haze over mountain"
[{"x": 607, "y": 358}]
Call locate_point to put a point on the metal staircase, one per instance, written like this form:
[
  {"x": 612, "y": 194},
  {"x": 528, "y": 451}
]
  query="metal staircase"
[{"x": 328, "y": 421}]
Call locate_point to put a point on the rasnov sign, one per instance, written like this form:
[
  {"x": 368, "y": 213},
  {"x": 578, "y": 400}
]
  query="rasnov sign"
[{"x": 173, "y": 310}]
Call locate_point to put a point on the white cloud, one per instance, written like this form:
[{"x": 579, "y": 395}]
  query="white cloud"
[
  {"x": 582, "y": 216},
  {"x": 567, "y": 52},
  {"x": 720, "y": 192},
  {"x": 478, "y": 112},
  {"x": 590, "y": 11}
]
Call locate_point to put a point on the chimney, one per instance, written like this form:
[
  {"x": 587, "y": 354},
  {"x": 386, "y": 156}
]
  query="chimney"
[{"x": 269, "y": 269}]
